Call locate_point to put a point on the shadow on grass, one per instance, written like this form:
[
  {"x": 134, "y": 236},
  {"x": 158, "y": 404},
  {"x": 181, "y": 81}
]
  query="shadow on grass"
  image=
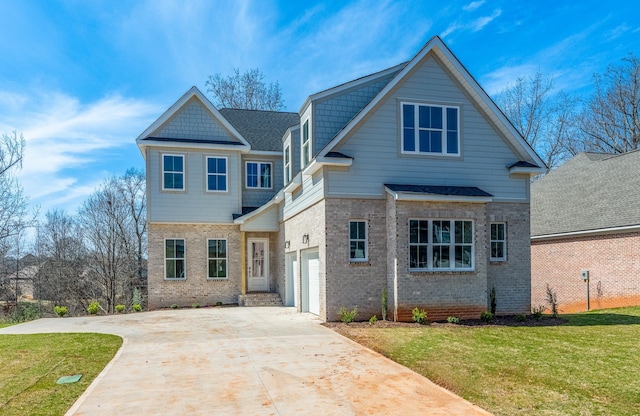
[{"x": 596, "y": 319}]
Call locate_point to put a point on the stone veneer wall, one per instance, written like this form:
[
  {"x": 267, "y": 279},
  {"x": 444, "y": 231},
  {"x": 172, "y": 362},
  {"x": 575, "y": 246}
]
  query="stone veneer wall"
[
  {"x": 442, "y": 294},
  {"x": 355, "y": 284},
  {"x": 613, "y": 261},
  {"x": 511, "y": 278},
  {"x": 196, "y": 288}
]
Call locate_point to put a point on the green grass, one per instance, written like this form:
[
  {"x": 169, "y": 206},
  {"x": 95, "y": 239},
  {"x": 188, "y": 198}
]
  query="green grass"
[
  {"x": 588, "y": 366},
  {"x": 30, "y": 365}
]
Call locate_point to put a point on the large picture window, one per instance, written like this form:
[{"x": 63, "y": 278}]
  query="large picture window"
[
  {"x": 440, "y": 245},
  {"x": 174, "y": 259},
  {"x": 173, "y": 172},
  {"x": 217, "y": 258},
  {"x": 358, "y": 241},
  {"x": 498, "y": 241},
  {"x": 259, "y": 175},
  {"x": 430, "y": 129},
  {"x": 216, "y": 174}
]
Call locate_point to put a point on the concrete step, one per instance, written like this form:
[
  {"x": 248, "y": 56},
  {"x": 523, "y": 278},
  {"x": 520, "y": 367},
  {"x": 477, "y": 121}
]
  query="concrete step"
[{"x": 260, "y": 299}]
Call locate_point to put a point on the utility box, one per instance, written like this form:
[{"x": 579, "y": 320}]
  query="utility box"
[{"x": 585, "y": 275}]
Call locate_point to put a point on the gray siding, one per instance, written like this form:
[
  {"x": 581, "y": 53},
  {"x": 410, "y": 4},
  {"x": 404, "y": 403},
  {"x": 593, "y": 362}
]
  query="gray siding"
[
  {"x": 194, "y": 121},
  {"x": 311, "y": 191},
  {"x": 375, "y": 147},
  {"x": 257, "y": 197},
  {"x": 194, "y": 204},
  {"x": 332, "y": 114}
]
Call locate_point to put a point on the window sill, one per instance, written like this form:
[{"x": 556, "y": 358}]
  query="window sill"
[
  {"x": 442, "y": 271},
  {"x": 218, "y": 279},
  {"x": 364, "y": 262},
  {"x": 175, "y": 279}
]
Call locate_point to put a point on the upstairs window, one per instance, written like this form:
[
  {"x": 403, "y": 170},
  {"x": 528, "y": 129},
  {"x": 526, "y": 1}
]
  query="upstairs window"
[
  {"x": 430, "y": 129},
  {"x": 498, "y": 241},
  {"x": 287, "y": 165},
  {"x": 217, "y": 174},
  {"x": 306, "y": 144},
  {"x": 259, "y": 175},
  {"x": 173, "y": 172},
  {"x": 357, "y": 241},
  {"x": 440, "y": 245}
]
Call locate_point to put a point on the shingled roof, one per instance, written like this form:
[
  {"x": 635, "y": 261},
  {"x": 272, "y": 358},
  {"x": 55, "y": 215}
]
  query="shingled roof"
[
  {"x": 592, "y": 191},
  {"x": 262, "y": 129}
]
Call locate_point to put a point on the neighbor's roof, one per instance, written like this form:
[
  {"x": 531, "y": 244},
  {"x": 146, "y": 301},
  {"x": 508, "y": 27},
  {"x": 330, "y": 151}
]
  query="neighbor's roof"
[
  {"x": 592, "y": 191},
  {"x": 262, "y": 129},
  {"x": 439, "y": 190}
]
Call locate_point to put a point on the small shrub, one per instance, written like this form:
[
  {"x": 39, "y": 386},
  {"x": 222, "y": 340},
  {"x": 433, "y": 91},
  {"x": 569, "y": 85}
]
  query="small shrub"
[
  {"x": 93, "y": 307},
  {"x": 218, "y": 303},
  {"x": 492, "y": 299},
  {"x": 419, "y": 316},
  {"x": 453, "y": 320},
  {"x": 537, "y": 311},
  {"x": 385, "y": 303},
  {"x": 136, "y": 307},
  {"x": 521, "y": 317},
  {"x": 373, "y": 320},
  {"x": 552, "y": 299},
  {"x": 174, "y": 306},
  {"x": 60, "y": 310},
  {"x": 120, "y": 308},
  {"x": 196, "y": 305},
  {"x": 486, "y": 316},
  {"x": 348, "y": 316},
  {"x": 136, "y": 299}
]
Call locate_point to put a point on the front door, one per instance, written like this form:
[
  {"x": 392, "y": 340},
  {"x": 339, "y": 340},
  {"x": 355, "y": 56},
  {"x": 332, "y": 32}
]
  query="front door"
[{"x": 258, "y": 267}]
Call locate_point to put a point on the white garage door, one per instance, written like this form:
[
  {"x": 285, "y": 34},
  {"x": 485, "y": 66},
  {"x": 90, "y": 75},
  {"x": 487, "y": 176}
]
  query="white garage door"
[{"x": 314, "y": 283}]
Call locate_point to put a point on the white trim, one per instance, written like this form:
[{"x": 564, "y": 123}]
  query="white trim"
[
  {"x": 206, "y": 174},
  {"x": 416, "y": 135},
  {"x": 451, "y": 245},
  {"x": 504, "y": 241},
  {"x": 414, "y": 196},
  {"x": 309, "y": 143},
  {"x": 277, "y": 199},
  {"x": 366, "y": 241},
  {"x": 317, "y": 163},
  {"x": 478, "y": 95},
  {"x": 611, "y": 230},
  {"x": 226, "y": 259},
  {"x": 518, "y": 170},
  {"x": 246, "y": 175},
  {"x": 295, "y": 183},
  {"x": 287, "y": 165},
  {"x": 184, "y": 172},
  {"x": 188, "y": 145},
  {"x": 264, "y": 153},
  {"x": 184, "y": 259}
]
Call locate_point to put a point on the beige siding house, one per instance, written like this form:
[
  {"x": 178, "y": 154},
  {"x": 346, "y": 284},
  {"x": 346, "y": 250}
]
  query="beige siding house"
[{"x": 409, "y": 179}]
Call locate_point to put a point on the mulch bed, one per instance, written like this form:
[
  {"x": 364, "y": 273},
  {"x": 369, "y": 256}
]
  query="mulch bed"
[{"x": 510, "y": 320}]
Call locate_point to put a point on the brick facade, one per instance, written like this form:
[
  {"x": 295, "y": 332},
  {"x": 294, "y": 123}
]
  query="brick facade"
[
  {"x": 613, "y": 262},
  {"x": 196, "y": 288}
]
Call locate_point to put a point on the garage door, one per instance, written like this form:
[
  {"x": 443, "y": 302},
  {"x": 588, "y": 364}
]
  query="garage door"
[{"x": 314, "y": 282}]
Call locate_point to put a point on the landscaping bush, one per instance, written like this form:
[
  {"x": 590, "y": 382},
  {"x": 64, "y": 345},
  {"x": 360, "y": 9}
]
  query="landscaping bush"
[
  {"x": 453, "y": 320},
  {"x": 537, "y": 312},
  {"x": 486, "y": 316},
  {"x": 60, "y": 310},
  {"x": 174, "y": 306},
  {"x": 521, "y": 317},
  {"x": 373, "y": 320},
  {"x": 120, "y": 308},
  {"x": 136, "y": 307},
  {"x": 419, "y": 316},
  {"x": 348, "y": 316},
  {"x": 385, "y": 303},
  {"x": 25, "y": 311},
  {"x": 196, "y": 305},
  {"x": 93, "y": 307},
  {"x": 552, "y": 299}
]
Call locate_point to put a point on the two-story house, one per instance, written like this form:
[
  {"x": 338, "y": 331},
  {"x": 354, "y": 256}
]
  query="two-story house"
[{"x": 409, "y": 179}]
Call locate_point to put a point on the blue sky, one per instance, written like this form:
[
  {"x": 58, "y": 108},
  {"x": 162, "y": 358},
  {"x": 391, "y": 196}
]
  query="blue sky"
[{"x": 82, "y": 79}]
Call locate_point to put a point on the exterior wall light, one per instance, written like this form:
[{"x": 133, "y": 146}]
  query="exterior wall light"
[
  {"x": 305, "y": 239},
  {"x": 287, "y": 244}
]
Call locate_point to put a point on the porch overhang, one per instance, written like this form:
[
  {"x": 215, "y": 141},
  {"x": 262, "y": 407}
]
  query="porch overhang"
[
  {"x": 438, "y": 193},
  {"x": 264, "y": 219}
]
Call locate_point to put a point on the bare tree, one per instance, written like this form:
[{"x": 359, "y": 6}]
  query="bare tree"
[
  {"x": 247, "y": 90},
  {"x": 610, "y": 120},
  {"x": 545, "y": 119}
]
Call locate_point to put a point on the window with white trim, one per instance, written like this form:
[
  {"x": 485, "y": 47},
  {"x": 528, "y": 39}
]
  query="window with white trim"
[
  {"x": 174, "y": 259},
  {"x": 217, "y": 258},
  {"x": 430, "y": 129},
  {"x": 498, "y": 241},
  {"x": 258, "y": 175},
  {"x": 173, "y": 172},
  {"x": 440, "y": 245},
  {"x": 287, "y": 165},
  {"x": 306, "y": 145},
  {"x": 216, "y": 174},
  {"x": 358, "y": 241}
]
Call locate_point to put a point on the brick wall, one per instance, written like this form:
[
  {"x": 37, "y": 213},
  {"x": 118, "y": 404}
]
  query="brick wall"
[
  {"x": 196, "y": 287},
  {"x": 511, "y": 278},
  {"x": 613, "y": 262}
]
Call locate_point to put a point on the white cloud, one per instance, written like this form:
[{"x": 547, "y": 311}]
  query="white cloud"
[
  {"x": 481, "y": 22},
  {"x": 69, "y": 142},
  {"x": 496, "y": 81},
  {"x": 472, "y": 6}
]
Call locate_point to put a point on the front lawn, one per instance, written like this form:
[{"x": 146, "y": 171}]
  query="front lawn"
[
  {"x": 30, "y": 365},
  {"x": 587, "y": 366}
]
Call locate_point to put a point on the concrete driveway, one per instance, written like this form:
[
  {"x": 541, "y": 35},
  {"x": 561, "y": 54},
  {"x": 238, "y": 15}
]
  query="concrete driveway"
[{"x": 245, "y": 361}]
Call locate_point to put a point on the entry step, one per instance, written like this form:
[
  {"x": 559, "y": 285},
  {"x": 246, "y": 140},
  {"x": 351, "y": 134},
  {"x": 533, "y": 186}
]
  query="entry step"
[{"x": 260, "y": 299}]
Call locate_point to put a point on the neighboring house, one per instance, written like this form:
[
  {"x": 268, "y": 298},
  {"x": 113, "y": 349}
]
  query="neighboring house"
[
  {"x": 408, "y": 179},
  {"x": 585, "y": 216}
]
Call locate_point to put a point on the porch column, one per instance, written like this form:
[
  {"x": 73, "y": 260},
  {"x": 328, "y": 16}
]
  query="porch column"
[{"x": 243, "y": 263}]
